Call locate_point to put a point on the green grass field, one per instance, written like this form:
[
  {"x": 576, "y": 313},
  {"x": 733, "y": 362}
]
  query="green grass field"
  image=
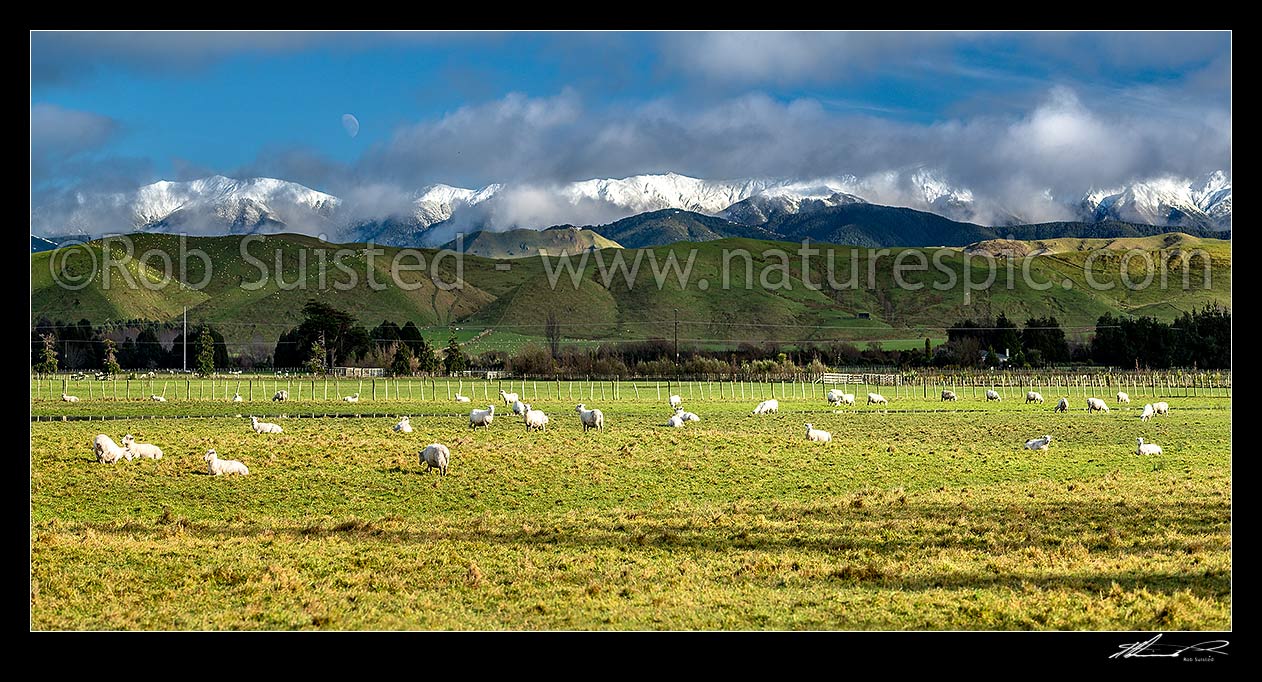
[{"x": 908, "y": 520}]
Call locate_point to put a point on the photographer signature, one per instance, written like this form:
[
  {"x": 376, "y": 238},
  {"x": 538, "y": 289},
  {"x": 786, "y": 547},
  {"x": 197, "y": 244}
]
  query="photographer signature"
[{"x": 1151, "y": 649}]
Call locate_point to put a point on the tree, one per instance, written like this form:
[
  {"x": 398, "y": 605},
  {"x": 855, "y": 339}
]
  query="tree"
[
  {"x": 552, "y": 330},
  {"x": 928, "y": 350},
  {"x": 109, "y": 363},
  {"x": 47, "y": 363},
  {"x": 316, "y": 357},
  {"x": 205, "y": 352},
  {"x": 454, "y": 360},
  {"x": 1044, "y": 334},
  {"x": 404, "y": 363}
]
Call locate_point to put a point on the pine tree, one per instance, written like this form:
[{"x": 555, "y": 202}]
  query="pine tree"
[
  {"x": 205, "y": 352},
  {"x": 110, "y": 364},
  {"x": 404, "y": 363},
  {"x": 48, "y": 356},
  {"x": 455, "y": 359},
  {"x": 316, "y": 358},
  {"x": 928, "y": 350}
]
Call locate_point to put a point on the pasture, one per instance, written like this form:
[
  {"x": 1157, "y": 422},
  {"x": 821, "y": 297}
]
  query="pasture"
[{"x": 925, "y": 516}]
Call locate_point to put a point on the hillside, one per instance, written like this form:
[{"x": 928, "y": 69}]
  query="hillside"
[
  {"x": 524, "y": 243},
  {"x": 674, "y": 225}
]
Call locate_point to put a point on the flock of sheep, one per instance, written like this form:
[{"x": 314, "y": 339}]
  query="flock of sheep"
[{"x": 437, "y": 456}]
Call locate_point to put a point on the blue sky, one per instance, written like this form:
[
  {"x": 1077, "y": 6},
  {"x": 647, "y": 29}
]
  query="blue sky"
[{"x": 113, "y": 110}]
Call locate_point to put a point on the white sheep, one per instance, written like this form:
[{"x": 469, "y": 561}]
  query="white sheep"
[
  {"x": 69, "y": 398},
  {"x": 817, "y": 436},
  {"x": 767, "y": 407},
  {"x": 535, "y": 419},
  {"x": 1096, "y": 405},
  {"x": 1062, "y": 406},
  {"x": 949, "y": 395},
  {"x": 1161, "y": 408},
  {"x": 877, "y": 399},
  {"x": 1147, "y": 448},
  {"x": 135, "y": 449},
  {"x": 992, "y": 396},
  {"x": 435, "y": 456},
  {"x": 404, "y": 426},
  {"x": 835, "y": 397},
  {"x": 519, "y": 407},
  {"x": 280, "y": 396},
  {"x": 236, "y": 398},
  {"x": 1148, "y": 413},
  {"x": 676, "y": 401},
  {"x": 1033, "y": 397},
  {"x": 1038, "y": 443},
  {"x": 462, "y": 398},
  {"x": 106, "y": 450},
  {"x": 352, "y": 398},
  {"x": 157, "y": 399},
  {"x": 509, "y": 398},
  {"x": 264, "y": 427},
  {"x": 481, "y": 418},
  {"x": 592, "y": 419},
  {"x": 219, "y": 467},
  {"x": 675, "y": 421},
  {"x": 1123, "y": 399},
  {"x": 686, "y": 416}
]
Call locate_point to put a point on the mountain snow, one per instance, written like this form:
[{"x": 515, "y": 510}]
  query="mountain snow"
[{"x": 1204, "y": 202}]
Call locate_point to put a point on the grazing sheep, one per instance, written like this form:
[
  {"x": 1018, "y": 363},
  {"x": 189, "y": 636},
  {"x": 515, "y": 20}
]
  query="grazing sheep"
[
  {"x": 592, "y": 419},
  {"x": 535, "y": 419},
  {"x": 1148, "y": 413},
  {"x": 817, "y": 436},
  {"x": 106, "y": 450},
  {"x": 1096, "y": 405},
  {"x": 509, "y": 398},
  {"x": 835, "y": 397},
  {"x": 280, "y": 396},
  {"x": 1062, "y": 406},
  {"x": 1147, "y": 448},
  {"x": 435, "y": 456},
  {"x": 404, "y": 426},
  {"x": 992, "y": 396},
  {"x": 69, "y": 398},
  {"x": 686, "y": 416},
  {"x": 877, "y": 399},
  {"x": 352, "y": 398},
  {"x": 949, "y": 395},
  {"x": 482, "y": 418},
  {"x": 236, "y": 397},
  {"x": 1033, "y": 397},
  {"x": 264, "y": 427},
  {"x": 767, "y": 407},
  {"x": 462, "y": 398},
  {"x": 1123, "y": 399},
  {"x": 1161, "y": 408},
  {"x": 1038, "y": 443},
  {"x": 519, "y": 407},
  {"x": 135, "y": 449},
  {"x": 676, "y": 401},
  {"x": 157, "y": 399},
  {"x": 675, "y": 421},
  {"x": 219, "y": 467}
]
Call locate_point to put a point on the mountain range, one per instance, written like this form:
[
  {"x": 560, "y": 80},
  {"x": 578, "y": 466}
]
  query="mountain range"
[{"x": 769, "y": 208}]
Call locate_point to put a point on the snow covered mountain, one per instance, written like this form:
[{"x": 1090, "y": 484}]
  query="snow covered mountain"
[{"x": 1204, "y": 202}]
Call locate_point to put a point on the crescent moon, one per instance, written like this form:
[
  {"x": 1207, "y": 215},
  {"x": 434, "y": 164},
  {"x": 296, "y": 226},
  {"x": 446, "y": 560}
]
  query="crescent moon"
[{"x": 351, "y": 124}]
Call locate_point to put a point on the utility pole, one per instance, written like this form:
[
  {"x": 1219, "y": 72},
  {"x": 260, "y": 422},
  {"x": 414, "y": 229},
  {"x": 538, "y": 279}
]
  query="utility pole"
[
  {"x": 185, "y": 338},
  {"x": 676, "y": 336}
]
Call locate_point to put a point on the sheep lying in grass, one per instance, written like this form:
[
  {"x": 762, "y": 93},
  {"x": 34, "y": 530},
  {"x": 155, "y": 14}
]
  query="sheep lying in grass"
[
  {"x": 877, "y": 399},
  {"x": 949, "y": 396},
  {"x": 69, "y": 398},
  {"x": 686, "y": 416},
  {"x": 1096, "y": 405},
  {"x": 135, "y": 449},
  {"x": 106, "y": 450},
  {"x": 352, "y": 398},
  {"x": 1123, "y": 399},
  {"x": 462, "y": 398},
  {"x": 264, "y": 427},
  {"x": 482, "y": 418},
  {"x": 435, "y": 456},
  {"x": 1040, "y": 443},
  {"x": 157, "y": 399},
  {"x": 509, "y": 398},
  {"x": 1161, "y": 408},
  {"x": 992, "y": 396},
  {"x": 1147, "y": 448},
  {"x": 817, "y": 436},
  {"x": 404, "y": 426},
  {"x": 675, "y": 421},
  {"x": 519, "y": 407},
  {"x": 591, "y": 419},
  {"x": 219, "y": 467},
  {"x": 676, "y": 401},
  {"x": 1033, "y": 397},
  {"x": 236, "y": 398},
  {"x": 535, "y": 419},
  {"x": 1147, "y": 414},
  {"x": 767, "y": 407},
  {"x": 280, "y": 396},
  {"x": 1062, "y": 406}
]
